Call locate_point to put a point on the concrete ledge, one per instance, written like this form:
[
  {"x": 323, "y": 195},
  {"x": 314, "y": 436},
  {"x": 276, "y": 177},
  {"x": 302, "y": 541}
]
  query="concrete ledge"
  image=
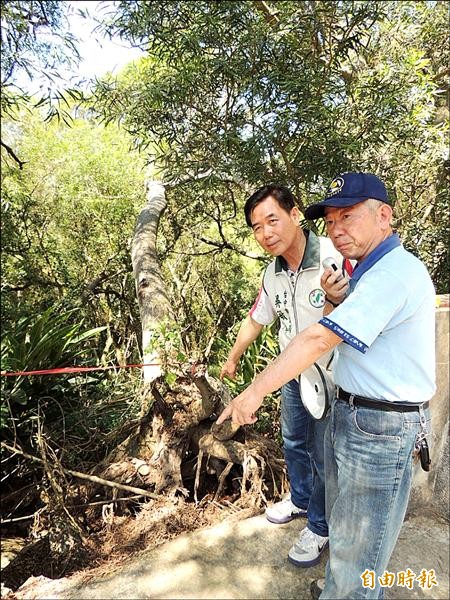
[{"x": 431, "y": 490}]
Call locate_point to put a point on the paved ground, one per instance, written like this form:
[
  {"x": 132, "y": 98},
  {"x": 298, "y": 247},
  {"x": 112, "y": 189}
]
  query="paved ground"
[{"x": 246, "y": 560}]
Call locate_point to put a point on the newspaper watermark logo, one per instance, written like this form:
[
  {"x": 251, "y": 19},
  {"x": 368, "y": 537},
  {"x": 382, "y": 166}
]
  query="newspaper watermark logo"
[{"x": 426, "y": 580}]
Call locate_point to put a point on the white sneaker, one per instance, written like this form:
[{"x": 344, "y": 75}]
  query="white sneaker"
[
  {"x": 284, "y": 511},
  {"x": 307, "y": 549}
]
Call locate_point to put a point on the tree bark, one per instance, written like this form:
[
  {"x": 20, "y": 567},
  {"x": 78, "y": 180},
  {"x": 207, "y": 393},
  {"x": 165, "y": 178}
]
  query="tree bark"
[{"x": 154, "y": 305}]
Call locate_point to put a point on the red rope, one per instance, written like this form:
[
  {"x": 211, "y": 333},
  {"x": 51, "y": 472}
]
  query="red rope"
[{"x": 63, "y": 370}]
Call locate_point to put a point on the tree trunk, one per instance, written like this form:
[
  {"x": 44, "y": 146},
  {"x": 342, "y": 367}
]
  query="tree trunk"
[
  {"x": 154, "y": 305},
  {"x": 176, "y": 418}
]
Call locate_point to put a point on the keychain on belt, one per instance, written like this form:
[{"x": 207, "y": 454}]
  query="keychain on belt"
[{"x": 421, "y": 449}]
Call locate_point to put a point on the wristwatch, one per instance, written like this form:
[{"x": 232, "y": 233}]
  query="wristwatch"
[{"x": 331, "y": 302}]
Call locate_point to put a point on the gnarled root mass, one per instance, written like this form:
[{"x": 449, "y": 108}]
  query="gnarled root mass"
[{"x": 177, "y": 445}]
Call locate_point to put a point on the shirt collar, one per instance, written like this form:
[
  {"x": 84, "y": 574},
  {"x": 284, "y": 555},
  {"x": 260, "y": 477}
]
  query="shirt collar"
[
  {"x": 311, "y": 255},
  {"x": 393, "y": 241}
]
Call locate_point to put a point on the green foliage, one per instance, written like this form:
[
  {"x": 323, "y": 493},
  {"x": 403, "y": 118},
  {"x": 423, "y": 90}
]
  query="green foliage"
[
  {"x": 68, "y": 408},
  {"x": 36, "y": 45},
  {"x": 23, "y": 46},
  {"x": 45, "y": 341},
  {"x": 67, "y": 219},
  {"x": 166, "y": 343},
  {"x": 329, "y": 87}
]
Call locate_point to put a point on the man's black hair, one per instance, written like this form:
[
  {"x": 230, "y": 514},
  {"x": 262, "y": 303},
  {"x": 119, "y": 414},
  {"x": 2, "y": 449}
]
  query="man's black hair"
[{"x": 282, "y": 195}]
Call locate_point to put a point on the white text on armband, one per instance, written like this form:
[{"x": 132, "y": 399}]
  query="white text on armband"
[{"x": 345, "y": 335}]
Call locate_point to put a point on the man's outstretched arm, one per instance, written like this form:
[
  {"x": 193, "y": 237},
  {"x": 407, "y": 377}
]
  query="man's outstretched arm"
[
  {"x": 248, "y": 332},
  {"x": 303, "y": 350}
]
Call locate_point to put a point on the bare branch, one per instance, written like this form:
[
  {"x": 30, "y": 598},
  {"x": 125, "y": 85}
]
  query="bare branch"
[
  {"x": 225, "y": 245},
  {"x": 13, "y": 155},
  {"x": 270, "y": 15},
  {"x": 86, "y": 477},
  {"x": 208, "y": 348}
]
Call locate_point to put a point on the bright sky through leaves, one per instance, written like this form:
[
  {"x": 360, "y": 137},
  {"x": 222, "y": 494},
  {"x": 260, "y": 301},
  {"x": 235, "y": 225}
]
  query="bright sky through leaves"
[{"x": 99, "y": 54}]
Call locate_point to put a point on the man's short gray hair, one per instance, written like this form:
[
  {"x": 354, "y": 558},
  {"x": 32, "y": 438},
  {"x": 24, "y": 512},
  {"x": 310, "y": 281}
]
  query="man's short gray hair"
[{"x": 373, "y": 204}]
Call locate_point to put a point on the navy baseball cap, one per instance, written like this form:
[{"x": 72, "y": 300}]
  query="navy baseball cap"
[{"x": 349, "y": 189}]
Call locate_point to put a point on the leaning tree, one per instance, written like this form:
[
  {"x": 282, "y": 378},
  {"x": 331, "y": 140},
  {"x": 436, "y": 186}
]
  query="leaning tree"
[
  {"x": 247, "y": 94},
  {"x": 180, "y": 401},
  {"x": 238, "y": 94}
]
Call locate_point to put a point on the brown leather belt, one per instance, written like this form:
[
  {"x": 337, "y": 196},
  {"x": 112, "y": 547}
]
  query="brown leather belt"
[{"x": 378, "y": 404}]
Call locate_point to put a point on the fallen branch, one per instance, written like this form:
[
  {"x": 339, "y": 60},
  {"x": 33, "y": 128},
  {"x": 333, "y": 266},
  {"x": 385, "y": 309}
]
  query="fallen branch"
[
  {"x": 27, "y": 518},
  {"x": 101, "y": 502},
  {"x": 85, "y": 476}
]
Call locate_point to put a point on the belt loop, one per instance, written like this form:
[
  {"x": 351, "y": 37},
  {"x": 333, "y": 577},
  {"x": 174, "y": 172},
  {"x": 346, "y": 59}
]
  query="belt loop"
[
  {"x": 350, "y": 401},
  {"x": 423, "y": 420}
]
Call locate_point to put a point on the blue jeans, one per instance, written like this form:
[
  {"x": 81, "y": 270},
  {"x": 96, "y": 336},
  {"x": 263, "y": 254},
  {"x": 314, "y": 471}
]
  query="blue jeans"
[
  {"x": 368, "y": 466},
  {"x": 304, "y": 455}
]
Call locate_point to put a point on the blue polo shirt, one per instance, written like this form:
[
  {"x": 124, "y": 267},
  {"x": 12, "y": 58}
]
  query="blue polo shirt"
[{"x": 387, "y": 324}]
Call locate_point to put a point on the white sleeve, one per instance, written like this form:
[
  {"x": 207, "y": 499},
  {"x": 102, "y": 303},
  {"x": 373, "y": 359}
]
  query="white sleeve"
[
  {"x": 367, "y": 311},
  {"x": 262, "y": 311}
]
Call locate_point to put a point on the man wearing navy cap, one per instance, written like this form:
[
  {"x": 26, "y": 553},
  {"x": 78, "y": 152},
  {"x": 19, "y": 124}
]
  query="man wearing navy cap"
[
  {"x": 383, "y": 328},
  {"x": 291, "y": 293}
]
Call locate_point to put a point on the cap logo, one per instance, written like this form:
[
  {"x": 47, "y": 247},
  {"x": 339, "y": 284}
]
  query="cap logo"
[{"x": 335, "y": 186}]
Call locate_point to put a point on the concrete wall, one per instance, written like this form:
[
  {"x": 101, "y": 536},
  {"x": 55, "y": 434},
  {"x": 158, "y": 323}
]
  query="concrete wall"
[{"x": 431, "y": 490}]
